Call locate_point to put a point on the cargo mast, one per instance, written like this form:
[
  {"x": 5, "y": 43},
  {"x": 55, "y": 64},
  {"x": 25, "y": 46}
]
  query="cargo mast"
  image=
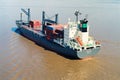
[
  {"x": 77, "y": 13},
  {"x": 27, "y": 13},
  {"x": 46, "y": 21}
]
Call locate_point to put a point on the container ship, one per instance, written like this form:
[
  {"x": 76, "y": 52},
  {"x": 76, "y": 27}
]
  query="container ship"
[{"x": 71, "y": 39}]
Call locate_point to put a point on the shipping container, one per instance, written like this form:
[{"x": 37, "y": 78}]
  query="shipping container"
[
  {"x": 35, "y": 24},
  {"x": 50, "y": 28}
]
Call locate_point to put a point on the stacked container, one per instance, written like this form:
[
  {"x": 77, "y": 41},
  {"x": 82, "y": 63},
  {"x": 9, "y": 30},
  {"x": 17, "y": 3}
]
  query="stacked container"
[
  {"x": 49, "y": 32},
  {"x": 54, "y": 31},
  {"x": 35, "y": 24}
]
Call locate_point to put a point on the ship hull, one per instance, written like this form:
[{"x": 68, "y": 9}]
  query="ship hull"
[{"x": 41, "y": 40}]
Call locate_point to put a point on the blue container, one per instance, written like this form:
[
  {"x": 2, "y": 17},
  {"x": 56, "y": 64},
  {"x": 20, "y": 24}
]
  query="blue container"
[{"x": 50, "y": 28}]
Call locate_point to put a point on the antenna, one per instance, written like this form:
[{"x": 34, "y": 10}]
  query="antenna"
[
  {"x": 77, "y": 13},
  {"x": 21, "y": 16},
  {"x": 56, "y": 18},
  {"x": 86, "y": 16}
]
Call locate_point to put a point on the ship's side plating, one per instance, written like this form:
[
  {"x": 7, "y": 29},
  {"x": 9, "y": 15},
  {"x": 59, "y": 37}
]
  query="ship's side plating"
[
  {"x": 65, "y": 51},
  {"x": 71, "y": 40}
]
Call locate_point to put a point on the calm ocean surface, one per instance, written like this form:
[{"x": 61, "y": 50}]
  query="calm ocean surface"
[{"x": 22, "y": 59}]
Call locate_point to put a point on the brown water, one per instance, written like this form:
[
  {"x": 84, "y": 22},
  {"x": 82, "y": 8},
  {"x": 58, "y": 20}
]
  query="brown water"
[{"x": 22, "y": 59}]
